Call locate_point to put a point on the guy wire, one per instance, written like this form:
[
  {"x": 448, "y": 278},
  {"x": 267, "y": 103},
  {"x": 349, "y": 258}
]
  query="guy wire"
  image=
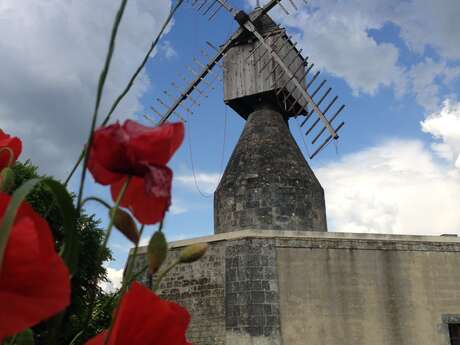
[
  {"x": 204, "y": 195},
  {"x": 302, "y": 136}
]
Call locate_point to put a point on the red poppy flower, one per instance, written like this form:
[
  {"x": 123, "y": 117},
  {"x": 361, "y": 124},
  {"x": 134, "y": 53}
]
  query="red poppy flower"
[
  {"x": 34, "y": 281},
  {"x": 139, "y": 152},
  {"x": 13, "y": 143},
  {"x": 145, "y": 319}
]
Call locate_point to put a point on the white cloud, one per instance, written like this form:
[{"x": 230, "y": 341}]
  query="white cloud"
[
  {"x": 423, "y": 80},
  {"x": 335, "y": 34},
  {"x": 115, "y": 278},
  {"x": 445, "y": 126},
  {"x": 177, "y": 208},
  {"x": 205, "y": 182},
  {"x": 168, "y": 50},
  {"x": 337, "y": 40},
  {"x": 428, "y": 23},
  {"x": 51, "y": 59},
  {"x": 394, "y": 187}
]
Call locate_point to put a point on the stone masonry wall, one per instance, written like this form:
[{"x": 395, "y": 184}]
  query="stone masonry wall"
[
  {"x": 199, "y": 287},
  {"x": 251, "y": 293},
  {"x": 267, "y": 183},
  {"x": 285, "y": 287}
]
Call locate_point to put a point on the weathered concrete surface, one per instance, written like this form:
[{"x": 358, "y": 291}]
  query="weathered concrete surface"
[
  {"x": 318, "y": 288},
  {"x": 267, "y": 183}
]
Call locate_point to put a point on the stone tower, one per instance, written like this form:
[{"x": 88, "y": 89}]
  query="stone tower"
[{"x": 267, "y": 183}]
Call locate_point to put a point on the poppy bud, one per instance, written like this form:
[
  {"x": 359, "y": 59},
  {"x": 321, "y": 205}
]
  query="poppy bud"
[
  {"x": 6, "y": 180},
  {"x": 125, "y": 223},
  {"x": 193, "y": 252},
  {"x": 157, "y": 250}
]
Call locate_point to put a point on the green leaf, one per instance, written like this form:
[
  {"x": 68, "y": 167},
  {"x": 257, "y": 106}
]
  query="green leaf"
[
  {"x": 71, "y": 248},
  {"x": 24, "y": 338},
  {"x": 8, "y": 219}
]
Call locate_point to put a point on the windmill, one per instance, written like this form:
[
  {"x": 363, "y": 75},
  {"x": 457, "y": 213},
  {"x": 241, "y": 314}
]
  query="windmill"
[{"x": 267, "y": 183}]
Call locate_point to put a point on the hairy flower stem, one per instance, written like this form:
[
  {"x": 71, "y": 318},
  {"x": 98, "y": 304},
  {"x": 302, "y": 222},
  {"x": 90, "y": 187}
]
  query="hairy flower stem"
[
  {"x": 130, "y": 83},
  {"x": 164, "y": 273},
  {"x": 126, "y": 281},
  {"x": 104, "y": 245},
  {"x": 95, "y": 198},
  {"x": 100, "y": 88}
]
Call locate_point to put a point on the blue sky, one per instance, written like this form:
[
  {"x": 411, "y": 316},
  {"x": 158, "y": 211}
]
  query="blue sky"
[{"x": 395, "y": 64}]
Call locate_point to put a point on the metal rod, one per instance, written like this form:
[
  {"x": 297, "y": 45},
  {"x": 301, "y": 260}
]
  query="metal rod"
[
  {"x": 204, "y": 66},
  {"x": 303, "y": 64},
  {"x": 156, "y": 111},
  {"x": 215, "y": 12},
  {"x": 204, "y": 2},
  {"x": 229, "y": 8},
  {"x": 169, "y": 95},
  {"x": 283, "y": 8},
  {"x": 293, "y": 5},
  {"x": 277, "y": 50},
  {"x": 328, "y": 139},
  {"x": 332, "y": 119},
  {"x": 188, "y": 96},
  {"x": 324, "y": 112},
  {"x": 197, "y": 74},
  {"x": 210, "y": 6},
  {"x": 207, "y": 56},
  {"x": 300, "y": 96},
  {"x": 313, "y": 79},
  {"x": 318, "y": 88},
  {"x": 317, "y": 105},
  {"x": 275, "y": 45},
  {"x": 150, "y": 119},
  {"x": 215, "y": 60},
  {"x": 285, "y": 56}
]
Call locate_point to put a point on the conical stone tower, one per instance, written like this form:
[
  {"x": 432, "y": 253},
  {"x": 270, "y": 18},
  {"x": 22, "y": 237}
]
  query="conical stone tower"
[{"x": 267, "y": 183}]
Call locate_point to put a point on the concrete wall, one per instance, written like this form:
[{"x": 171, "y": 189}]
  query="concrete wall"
[
  {"x": 379, "y": 295},
  {"x": 297, "y": 288}
]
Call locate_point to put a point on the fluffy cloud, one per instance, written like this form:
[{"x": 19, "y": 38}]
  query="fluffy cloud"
[
  {"x": 205, "y": 182},
  {"x": 395, "y": 187},
  {"x": 422, "y": 80},
  {"x": 337, "y": 40},
  {"x": 428, "y": 23},
  {"x": 336, "y": 34},
  {"x": 114, "y": 277},
  {"x": 445, "y": 126},
  {"x": 51, "y": 60}
]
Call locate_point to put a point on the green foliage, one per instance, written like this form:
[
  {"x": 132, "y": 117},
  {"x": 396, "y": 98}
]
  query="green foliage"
[{"x": 88, "y": 274}]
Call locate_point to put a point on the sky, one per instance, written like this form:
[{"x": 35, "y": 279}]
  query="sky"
[{"x": 395, "y": 64}]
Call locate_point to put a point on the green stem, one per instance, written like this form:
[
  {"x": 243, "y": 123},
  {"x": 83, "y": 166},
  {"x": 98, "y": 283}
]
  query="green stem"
[
  {"x": 163, "y": 274},
  {"x": 131, "y": 81},
  {"x": 13, "y": 340},
  {"x": 95, "y": 198},
  {"x": 100, "y": 88},
  {"x": 110, "y": 226},
  {"x": 104, "y": 245},
  {"x": 125, "y": 284},
  {"x": 10, "y": 154}
]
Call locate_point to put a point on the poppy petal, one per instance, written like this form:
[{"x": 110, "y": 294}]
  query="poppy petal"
[
  {"x": 146, "y": 207},
  {"x": 146, "y": 319},
  {"x": 34, "y": 281},
  {"x": 153, "y": 146},
  {"x": 14, "y": 143},
  {"x": 107, "y": 159}
]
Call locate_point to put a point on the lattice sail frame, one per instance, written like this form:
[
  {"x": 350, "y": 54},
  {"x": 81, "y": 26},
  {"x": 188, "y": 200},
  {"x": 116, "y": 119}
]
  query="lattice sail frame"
[{"x": 295, "y": 88}]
